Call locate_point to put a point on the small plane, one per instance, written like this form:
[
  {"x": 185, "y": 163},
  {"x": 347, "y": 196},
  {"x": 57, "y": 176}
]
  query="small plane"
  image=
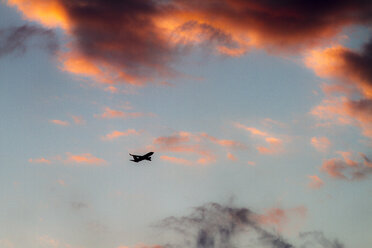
[{"x": 139, "y": 158}]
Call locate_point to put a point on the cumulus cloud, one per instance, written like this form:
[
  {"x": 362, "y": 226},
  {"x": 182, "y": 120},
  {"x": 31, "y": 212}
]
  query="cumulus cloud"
[
  {"x": 106, "y": 44},
  {"x": 18, "y": 39},
  {"x": 351, "y": 69},
  {"x": 346, "y": 168}
]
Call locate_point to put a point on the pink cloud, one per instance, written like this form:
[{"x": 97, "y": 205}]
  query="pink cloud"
[
  {"x": 187, "y": 143},
  {"x": 251, "y": 163},
  {"x": 283, "y": 219},
  {"x": 322, "y": 144},
  {"x": 78, "y": 120},
  {"x": 112, "y": 89},
  {"x": 116, "y": 134},
  {"x": 231, "y": 156},
  {"x": 315, "y": 182},
  {"x": 252, "y": 130},
  {"x": 112, "y": 113},
  {"x": 346, "y": 168},
  {"x": 85, "y": 158},
  {"x": 275, "y": 146},
  {"x": 224, "y": 142},
  {"x": 59, "y": 122},
  {"x": 39, "y": 160}
]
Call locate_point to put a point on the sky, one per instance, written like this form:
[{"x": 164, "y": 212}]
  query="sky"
[{"x": 259, "y": 114}]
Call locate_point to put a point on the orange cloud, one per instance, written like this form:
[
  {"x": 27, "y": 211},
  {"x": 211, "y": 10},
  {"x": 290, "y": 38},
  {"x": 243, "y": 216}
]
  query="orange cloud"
[
  {"x": 275, "y": 146},
  {"x": 252, "y": 130},
  {"x": 185, "y": 142},
  {"x": 322, "y": 144},
  {"x": 112, "y": 113},
  {"x": 59, "y": 122},
  {"x": 231, "y": 156},
  {"x": 78, "y": 120},
  {"x": 100, "y": 48},
  {"x": 282, "y": 218},
  {"x": 224, "y": 142},
  {"x": 85, "y": 158},
  {"x": 346, "y": 168},
  {"x": 39, "y": 161},
  {"x": 315, "y": 182},
  {"x": 351, "y": 69},
  {"x": 112, "y": 89},
  {"x": 116, "y": 134},
  {"x": 251, "y": 163}
]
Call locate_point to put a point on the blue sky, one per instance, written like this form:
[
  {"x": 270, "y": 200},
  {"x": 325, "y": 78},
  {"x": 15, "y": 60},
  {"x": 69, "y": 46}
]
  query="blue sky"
[{"x": 263, "y": 129}]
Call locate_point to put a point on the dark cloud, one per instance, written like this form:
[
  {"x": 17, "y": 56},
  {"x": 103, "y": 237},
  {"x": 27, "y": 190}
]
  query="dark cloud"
[
  {"x": 137, "y": 41},
  {"x": 359, "y": 63},
  {"x": 318, "y": 238},
  {"x": 17, "y": 39},
  {"x": 217, "y": 226},
  {"x": 348, "y": 169}
]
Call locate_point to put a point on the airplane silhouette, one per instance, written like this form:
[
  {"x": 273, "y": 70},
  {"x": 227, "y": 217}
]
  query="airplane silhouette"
[{"x": 139, "y": 158}]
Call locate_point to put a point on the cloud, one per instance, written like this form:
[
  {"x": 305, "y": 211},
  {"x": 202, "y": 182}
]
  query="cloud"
[
  {"x": 105, "y": 43},
  {"x": 85, "y": 159},
  {"x": 112, "y": 89},
  {"x": 112, "y": 113},
  {"x": 39, "y": 160},
  {"x": 214, "y": 226},
  {"x": 275, "y": 146},
  {"x": 192, "y": 143},
  {"x": 116, "y": 134},
  {"x": 351, "y": 69},
  {"x": 6, "y": 243},
  {"x": 78, "y": 120},
  {"x": 252, "y": 130},
  {"x": 17, "y": 39},
  {"x": 322, "y": 144},
  {"x": 281, "y": 218},
  {"x": 224, "y": 142},
  {"x": 231, "y": 156},
  {"x": 347, "y": 169},
  {"x": 59, "y": 122},
  {"x": 251, "y": 163},
  {"x": 315, "y": 182}
]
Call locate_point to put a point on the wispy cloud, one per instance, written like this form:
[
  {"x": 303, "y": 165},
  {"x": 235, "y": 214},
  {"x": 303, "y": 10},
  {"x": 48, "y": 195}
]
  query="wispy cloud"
[
  {"x": 78, "y": 120},
  {"x": 116, "y": 134},
  {"x": 231, "y": 156},
  {"x": 85, "y": 159},
  {"x": 315, "y": 182},
  {"x": 39, "y": 160},
  {"x": 59, "y": 122},
  {"x": 112, "y": 113},
  {"x": 322, "y": 144}
]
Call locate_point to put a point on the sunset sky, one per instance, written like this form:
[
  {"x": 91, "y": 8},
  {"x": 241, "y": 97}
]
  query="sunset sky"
[{"x": 259, "y": 114}]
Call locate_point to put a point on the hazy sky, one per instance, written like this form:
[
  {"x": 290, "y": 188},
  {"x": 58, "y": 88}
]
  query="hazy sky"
[{"x": 263, "y": 108}]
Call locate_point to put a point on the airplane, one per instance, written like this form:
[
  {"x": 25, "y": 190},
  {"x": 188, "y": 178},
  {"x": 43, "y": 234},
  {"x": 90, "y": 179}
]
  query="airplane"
[{"x": 139, "y": 158}]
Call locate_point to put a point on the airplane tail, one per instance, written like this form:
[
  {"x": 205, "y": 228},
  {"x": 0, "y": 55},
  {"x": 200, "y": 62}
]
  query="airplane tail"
[{"x": 149, "y": 158}]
